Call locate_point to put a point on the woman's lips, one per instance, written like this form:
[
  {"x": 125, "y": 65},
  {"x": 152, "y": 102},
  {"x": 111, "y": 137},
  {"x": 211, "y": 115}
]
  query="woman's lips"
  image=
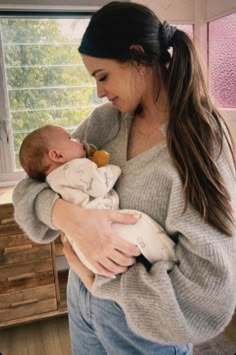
[{"x": 113, "y": 100}]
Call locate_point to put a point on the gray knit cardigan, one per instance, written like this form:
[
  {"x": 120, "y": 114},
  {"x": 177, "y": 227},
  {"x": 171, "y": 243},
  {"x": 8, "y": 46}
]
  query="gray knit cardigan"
[{"x": 171, "y": 303}]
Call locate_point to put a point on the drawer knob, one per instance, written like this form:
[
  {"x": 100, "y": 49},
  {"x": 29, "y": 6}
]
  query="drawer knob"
[
  {"x": 17, "y": 248},
  {"x": 29, "y": 275},
  {"x": 23, "y": 303},
  {"x": 8, "y": 220}
]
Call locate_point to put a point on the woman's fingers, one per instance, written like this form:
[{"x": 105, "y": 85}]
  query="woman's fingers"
[
  {"x": 126, "y": 250},
  {"x": 121, "y": 259},
  {"x": 120, "y": 244},
  {"x": 110, "y": 268},
  {"x": 124, "y": 218},
  {"x": 116, "y": 263}
]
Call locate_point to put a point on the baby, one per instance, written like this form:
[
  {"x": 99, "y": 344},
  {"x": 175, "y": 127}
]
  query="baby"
[{"x": 50, "y": 154}]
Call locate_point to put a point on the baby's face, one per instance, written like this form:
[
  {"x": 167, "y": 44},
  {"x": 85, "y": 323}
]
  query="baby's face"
[{"x": 70, "y": 148}]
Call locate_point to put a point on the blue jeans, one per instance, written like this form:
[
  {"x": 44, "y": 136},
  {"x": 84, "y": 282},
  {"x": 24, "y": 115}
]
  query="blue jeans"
[{"x": 99, "y": 327}]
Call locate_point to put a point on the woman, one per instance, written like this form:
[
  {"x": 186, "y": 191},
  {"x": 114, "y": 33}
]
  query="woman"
[{"x": 176, "y": 157}]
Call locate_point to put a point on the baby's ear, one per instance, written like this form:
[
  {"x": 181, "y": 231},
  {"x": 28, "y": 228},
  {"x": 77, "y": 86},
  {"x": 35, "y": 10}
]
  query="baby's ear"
[{"x": 55, "y": 155}]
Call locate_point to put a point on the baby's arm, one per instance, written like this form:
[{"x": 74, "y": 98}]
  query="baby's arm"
[{"x": 86, "y": 176}]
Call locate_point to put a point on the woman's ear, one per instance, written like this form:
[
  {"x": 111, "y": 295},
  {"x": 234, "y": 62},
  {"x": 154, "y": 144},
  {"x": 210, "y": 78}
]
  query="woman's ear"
[
  {"x": 138, "y": 54},
  {"x": 55, "y": 155}
]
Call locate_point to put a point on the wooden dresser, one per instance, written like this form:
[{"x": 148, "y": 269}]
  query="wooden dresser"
[{"x": 32, "y": 281}]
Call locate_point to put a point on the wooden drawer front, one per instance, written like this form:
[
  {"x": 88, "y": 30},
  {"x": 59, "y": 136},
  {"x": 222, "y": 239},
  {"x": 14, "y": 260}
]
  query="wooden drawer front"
[
  {"x": 23, "y": 253},
  {"x": 6, "y": 213},
  {"x": 14, "y": 240},
  {"x": 16, "y": 277},
  {"x": 8, "y": 225},
  {"x": 10, "y": 229},
  {"x": 27, "y": 302}
]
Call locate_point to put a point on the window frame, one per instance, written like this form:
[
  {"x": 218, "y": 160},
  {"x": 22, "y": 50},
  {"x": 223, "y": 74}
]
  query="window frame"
[{"x": 9, "y": 176}]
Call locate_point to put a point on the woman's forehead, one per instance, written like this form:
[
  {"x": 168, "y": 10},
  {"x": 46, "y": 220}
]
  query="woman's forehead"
[{"x": 95, "y": 65}]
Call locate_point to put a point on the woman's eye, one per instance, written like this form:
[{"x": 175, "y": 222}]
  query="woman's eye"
[{"x": 102, "y": 78}]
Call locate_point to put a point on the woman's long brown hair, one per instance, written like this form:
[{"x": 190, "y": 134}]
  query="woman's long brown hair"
[
  {"x": 194, "y": 134},
  {"x": 195, "y": 128}
]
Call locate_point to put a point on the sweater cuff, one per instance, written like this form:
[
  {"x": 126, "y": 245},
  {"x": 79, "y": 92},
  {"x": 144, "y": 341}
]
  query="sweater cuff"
[{"x": 44, "y": 206}]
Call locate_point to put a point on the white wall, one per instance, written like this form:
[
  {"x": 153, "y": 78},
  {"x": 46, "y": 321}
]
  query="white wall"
[
  {"x": 219, "y": 8},
  {"x": 189, "y": 11},
  {"x": 175, "y": 11}
]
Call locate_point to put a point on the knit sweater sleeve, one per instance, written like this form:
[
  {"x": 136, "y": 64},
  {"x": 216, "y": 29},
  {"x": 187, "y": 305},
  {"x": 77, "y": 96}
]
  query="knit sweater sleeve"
[{"x": 186, "y": 302}]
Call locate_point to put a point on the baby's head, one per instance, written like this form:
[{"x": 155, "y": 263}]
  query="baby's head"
[{"x": 46, "y": 148}]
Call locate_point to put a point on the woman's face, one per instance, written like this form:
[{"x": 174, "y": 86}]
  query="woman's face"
[{"x": 122, "y": 83}]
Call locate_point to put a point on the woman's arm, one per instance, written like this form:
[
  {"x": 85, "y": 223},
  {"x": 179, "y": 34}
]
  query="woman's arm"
[
  {"x": 33, "y": 203},
  {"x": 91, "y": 231}
]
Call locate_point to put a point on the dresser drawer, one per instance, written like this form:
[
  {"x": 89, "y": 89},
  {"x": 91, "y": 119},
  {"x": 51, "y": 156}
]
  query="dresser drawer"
[
  {"x": 14, "y": 277},
  {"x": 8, "y": 224},
  {"x": 27, "y": 302},
  {"x": 30, "y": 288},
  {"x": 7, "y": 221},
  {"x": 14, "y": 240},
  {"x": 12, "y": 251},
  {"x": 10, "y": 228},
  {"x": 6, "y": 213}
]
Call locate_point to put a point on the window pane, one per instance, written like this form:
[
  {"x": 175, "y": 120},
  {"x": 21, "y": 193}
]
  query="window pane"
[
  {"x": 222, "y": 63},
  {"x": 47, "y": 82}
]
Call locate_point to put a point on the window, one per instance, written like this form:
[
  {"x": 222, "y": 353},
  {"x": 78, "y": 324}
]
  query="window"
[{"x": 43, "y": 81}]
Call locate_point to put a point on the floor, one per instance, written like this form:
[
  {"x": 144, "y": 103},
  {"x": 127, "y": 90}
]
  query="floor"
[
  {"x": 230, "y": 331},
  {"x": 49, "y": 337}
]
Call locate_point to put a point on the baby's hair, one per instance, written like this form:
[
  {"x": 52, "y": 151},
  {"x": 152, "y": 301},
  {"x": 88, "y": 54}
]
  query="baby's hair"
[{"x": 33, "y": 151}]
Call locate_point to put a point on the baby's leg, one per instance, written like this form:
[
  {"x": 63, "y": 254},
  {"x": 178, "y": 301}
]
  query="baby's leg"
[{"x": 149, "y": 236}]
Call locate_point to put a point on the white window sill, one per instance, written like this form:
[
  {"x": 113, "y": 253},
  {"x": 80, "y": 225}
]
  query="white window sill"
[{"x": 11, "y": 179}]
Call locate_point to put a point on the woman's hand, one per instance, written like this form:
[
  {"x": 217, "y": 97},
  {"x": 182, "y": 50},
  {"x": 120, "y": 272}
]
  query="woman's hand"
[
  {"x": 85, "y": 275},
  {"x": 91, "y": 231}
]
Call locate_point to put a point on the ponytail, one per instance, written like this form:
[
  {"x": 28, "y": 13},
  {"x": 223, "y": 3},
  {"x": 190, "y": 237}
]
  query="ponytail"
[{"x": 195, "y": 128}]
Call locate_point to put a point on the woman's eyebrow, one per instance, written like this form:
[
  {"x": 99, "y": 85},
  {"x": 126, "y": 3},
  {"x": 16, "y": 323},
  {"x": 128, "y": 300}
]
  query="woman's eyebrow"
[{"x": 96, "y": 71}]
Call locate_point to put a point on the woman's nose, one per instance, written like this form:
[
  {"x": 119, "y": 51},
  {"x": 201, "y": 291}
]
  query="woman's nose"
[{"x": 100, "y": 91}]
